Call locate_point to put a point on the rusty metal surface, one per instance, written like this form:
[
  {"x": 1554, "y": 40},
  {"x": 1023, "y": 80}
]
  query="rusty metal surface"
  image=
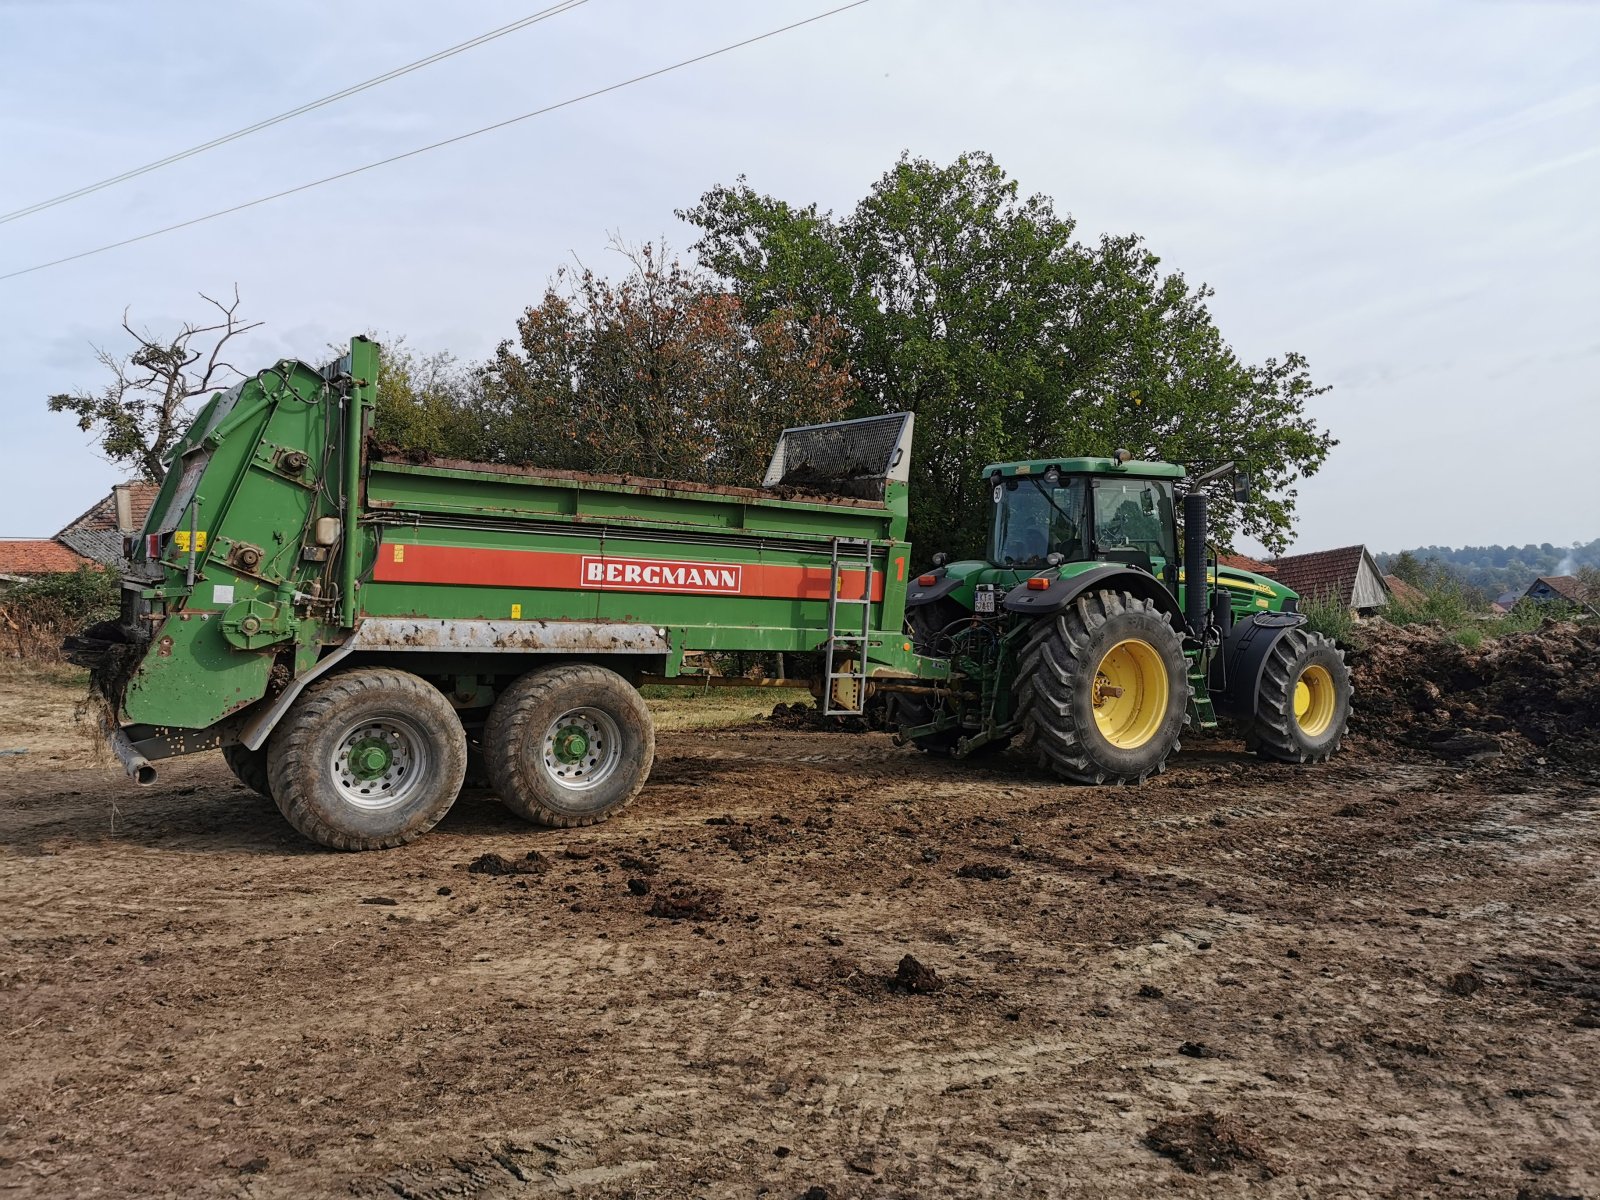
[
  {"x": 501, "y": 637},
  {"x": 135, "y": 764},
  {"x": 390, "y": 456},
  {"x": 420, "y": 635},
  {"x": 256, "y": 728}
]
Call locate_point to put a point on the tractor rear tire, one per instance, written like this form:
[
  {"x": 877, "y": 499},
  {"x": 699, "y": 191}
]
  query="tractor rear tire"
[
  {"x": 570, "y": 745},
  {"x": 249, "y": 767},
  {"x": 1304, "y": 701},
  {"x": 1103, "y": 690},
  {"x": 367, "y": 759}
]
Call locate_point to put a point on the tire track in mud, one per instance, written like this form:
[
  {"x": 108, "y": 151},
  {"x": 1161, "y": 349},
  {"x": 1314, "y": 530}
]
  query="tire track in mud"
[{"x": 395, "y": 1025}]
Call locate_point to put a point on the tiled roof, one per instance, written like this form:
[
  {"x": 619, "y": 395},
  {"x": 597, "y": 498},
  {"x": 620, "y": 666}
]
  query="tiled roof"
[
  {"x": 102, "y": 545},
  {"x": 1403, "y": 591},
  {"x": 1565, "y": 586},
  {"x": 1322, "y": 574},
  {"x": 36, "y": 556},
  {"x": 1243, "y": 562},
  {"x": 103, "y": 513}
]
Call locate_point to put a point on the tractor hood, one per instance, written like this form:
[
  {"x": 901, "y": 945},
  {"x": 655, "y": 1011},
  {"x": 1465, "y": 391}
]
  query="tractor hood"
[{"x": 1254, "y": 592}]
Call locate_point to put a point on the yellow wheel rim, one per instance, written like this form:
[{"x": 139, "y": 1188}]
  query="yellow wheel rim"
[
  {"x": 1130, "y": 694},
  {"x": 1315, "y": 699}
]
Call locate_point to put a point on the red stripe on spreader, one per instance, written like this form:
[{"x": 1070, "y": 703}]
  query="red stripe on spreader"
[{"x": 399, "y": 563}]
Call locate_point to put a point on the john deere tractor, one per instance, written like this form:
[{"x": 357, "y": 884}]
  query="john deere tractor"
[{"x": 1085, "y": 635}]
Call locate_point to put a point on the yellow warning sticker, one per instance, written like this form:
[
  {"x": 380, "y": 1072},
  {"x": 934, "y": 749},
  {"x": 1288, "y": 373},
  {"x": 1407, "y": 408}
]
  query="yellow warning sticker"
[
  {"x": 399, "y": 554},
  {"x": 180, "y": 539},
  {"x": 516, "y": 612}
]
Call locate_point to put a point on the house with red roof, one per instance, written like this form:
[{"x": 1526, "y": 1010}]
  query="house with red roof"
[
  {"x": 1348, "y": 575},
  {"x": 94, "y": 537},
  {"x": 98, "y": 533},
  {"x": 25, "y": 558},
  {"x": 1404, "y": 592},
  {"x": 1243, "y": 562},
  {"x": 1564, "y": 588}
]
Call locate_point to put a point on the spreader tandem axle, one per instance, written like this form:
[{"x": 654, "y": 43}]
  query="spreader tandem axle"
[{"x": 355, "y": 632}]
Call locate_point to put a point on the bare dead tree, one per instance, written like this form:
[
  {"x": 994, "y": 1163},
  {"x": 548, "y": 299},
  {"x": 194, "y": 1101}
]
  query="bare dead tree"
[{"x": 141, "y": 413}]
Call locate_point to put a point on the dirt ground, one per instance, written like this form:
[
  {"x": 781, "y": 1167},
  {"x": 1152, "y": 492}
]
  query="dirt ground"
[{"x": 1374, "y": 978}]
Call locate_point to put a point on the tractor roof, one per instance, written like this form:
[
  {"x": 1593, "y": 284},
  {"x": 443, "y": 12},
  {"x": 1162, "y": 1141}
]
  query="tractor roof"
[{"x": 1086, "y": 466}]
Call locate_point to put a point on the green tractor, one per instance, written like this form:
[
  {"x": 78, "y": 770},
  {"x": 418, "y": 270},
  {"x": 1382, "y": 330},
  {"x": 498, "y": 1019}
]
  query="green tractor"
[{"x": 1086, "y": 635}]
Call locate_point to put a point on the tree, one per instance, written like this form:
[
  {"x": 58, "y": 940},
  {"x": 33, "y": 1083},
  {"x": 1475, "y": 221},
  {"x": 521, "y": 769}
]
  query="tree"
[
  {"x": 1406, "y": 566},
  {"x": 661, "y": 374},
  {"x": 428, "y": 402},
  {"x": 977, "y": 309},
  {"x": 142, "y": 412},
  {"x": 1589, "y": 584}
]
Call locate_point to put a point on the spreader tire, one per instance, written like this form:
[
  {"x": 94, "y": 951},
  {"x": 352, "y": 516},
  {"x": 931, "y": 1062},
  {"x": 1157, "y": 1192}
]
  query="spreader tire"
[
  {"x": 367, "y": 759},
  {"x": 1303, "y": 704},
  {"x": 1103, "y": 689},
  {"x": 569, "y": 745},
  {"x": 249, "y": 767}
]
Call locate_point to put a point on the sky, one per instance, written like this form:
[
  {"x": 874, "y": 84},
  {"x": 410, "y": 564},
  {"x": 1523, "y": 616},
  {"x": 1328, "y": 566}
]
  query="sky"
[{"x": 1402, "y": 191}]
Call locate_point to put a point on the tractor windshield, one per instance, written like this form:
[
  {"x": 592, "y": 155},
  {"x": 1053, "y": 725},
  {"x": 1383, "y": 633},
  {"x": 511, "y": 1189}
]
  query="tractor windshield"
[{"x": 1035, "y": 517}]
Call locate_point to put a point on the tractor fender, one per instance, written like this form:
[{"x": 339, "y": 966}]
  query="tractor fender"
[
  {"x": 1049, "y": 601},
  {"x": 917, "y": 595},
  {"x": 1236, "y": 672}
]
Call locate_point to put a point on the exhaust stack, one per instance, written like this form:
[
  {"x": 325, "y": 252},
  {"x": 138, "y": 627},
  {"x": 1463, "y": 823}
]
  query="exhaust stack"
[{"x": 1196, "y": 602}]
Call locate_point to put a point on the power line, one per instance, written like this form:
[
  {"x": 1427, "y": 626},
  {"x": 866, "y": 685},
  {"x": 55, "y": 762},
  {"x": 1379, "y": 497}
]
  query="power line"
[
  {"x": 533, "y": 19},
  {"x": 460, "y": 137}
]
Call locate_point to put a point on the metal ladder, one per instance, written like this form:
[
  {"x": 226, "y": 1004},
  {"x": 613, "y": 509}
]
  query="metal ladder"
[{"x": 844, "y": 551}]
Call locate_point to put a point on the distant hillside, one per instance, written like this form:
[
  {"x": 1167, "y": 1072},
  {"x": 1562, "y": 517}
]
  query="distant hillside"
[{"x": 1496, "y": 569}]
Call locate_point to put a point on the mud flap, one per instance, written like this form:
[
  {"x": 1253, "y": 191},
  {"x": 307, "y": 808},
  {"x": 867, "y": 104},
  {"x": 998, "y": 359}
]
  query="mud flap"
[{"x": 1235, "y": 681}]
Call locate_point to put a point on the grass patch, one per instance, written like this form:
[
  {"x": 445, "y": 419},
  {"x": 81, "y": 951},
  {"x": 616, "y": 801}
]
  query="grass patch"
[
  {"x": 691, "y": 707},
  {"x": 1328, "y": 616}
]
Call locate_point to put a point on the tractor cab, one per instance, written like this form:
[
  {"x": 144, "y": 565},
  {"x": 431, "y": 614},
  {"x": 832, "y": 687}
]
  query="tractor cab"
[
  {"x": 1088, "y": 633},
  {"x": 1050, "y": 512}
]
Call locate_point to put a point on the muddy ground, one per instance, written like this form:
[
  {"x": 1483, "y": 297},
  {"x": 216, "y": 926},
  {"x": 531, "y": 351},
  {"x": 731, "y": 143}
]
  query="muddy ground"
[{"x": 1375, "y": 978}]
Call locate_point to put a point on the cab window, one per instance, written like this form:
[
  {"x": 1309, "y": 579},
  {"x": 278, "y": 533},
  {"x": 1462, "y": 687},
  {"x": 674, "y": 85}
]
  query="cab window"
[
  {"x": 1135, "y": 514},
  {"x": 1035, "y": 518}
]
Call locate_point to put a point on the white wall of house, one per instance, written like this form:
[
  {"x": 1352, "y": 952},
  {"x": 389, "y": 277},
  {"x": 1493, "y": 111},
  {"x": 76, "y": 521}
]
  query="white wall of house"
[{"x": 1369, "y": 591}]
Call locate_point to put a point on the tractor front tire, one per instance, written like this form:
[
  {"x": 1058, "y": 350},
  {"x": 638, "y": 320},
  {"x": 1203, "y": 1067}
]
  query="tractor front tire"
[
  {"x": 249, "y": 767},
  {"x": 1303, "y": 704},
  {"x": 367, "y": 759},
  {"x": 570, "y": 745},
  {"x": 1103, "y": 689}
]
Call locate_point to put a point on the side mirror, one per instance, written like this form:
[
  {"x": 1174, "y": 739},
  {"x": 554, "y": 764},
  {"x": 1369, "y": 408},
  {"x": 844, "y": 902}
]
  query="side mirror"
[{"x": 1241, "y": 487}]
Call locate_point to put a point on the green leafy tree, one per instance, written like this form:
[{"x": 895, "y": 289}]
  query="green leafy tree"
[
  {"x": 977, "y": 309},
  {"x": 662, "y": 373},
  {"x": 428, "y": 402},
  {"x": 1406, "y": 566},
  {"x": 144, "y": 409}
]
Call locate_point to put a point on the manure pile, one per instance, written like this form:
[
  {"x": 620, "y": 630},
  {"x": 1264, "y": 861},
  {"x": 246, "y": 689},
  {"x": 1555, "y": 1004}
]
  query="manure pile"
[{"x": 1526, "y": 695}]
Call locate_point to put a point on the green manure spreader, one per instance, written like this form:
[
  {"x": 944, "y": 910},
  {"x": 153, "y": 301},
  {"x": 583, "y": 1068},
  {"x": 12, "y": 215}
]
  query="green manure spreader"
[{"x": 351, "y": 627}]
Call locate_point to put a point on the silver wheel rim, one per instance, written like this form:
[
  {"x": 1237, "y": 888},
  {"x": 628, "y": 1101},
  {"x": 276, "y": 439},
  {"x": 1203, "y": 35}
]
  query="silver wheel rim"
[
  {"x": 581, "y": 749},
  {"x": 365, "y": 784}
]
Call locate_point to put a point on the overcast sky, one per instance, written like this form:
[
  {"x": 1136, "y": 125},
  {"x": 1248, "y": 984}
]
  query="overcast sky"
[{"x": 1405, "y": 192}]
